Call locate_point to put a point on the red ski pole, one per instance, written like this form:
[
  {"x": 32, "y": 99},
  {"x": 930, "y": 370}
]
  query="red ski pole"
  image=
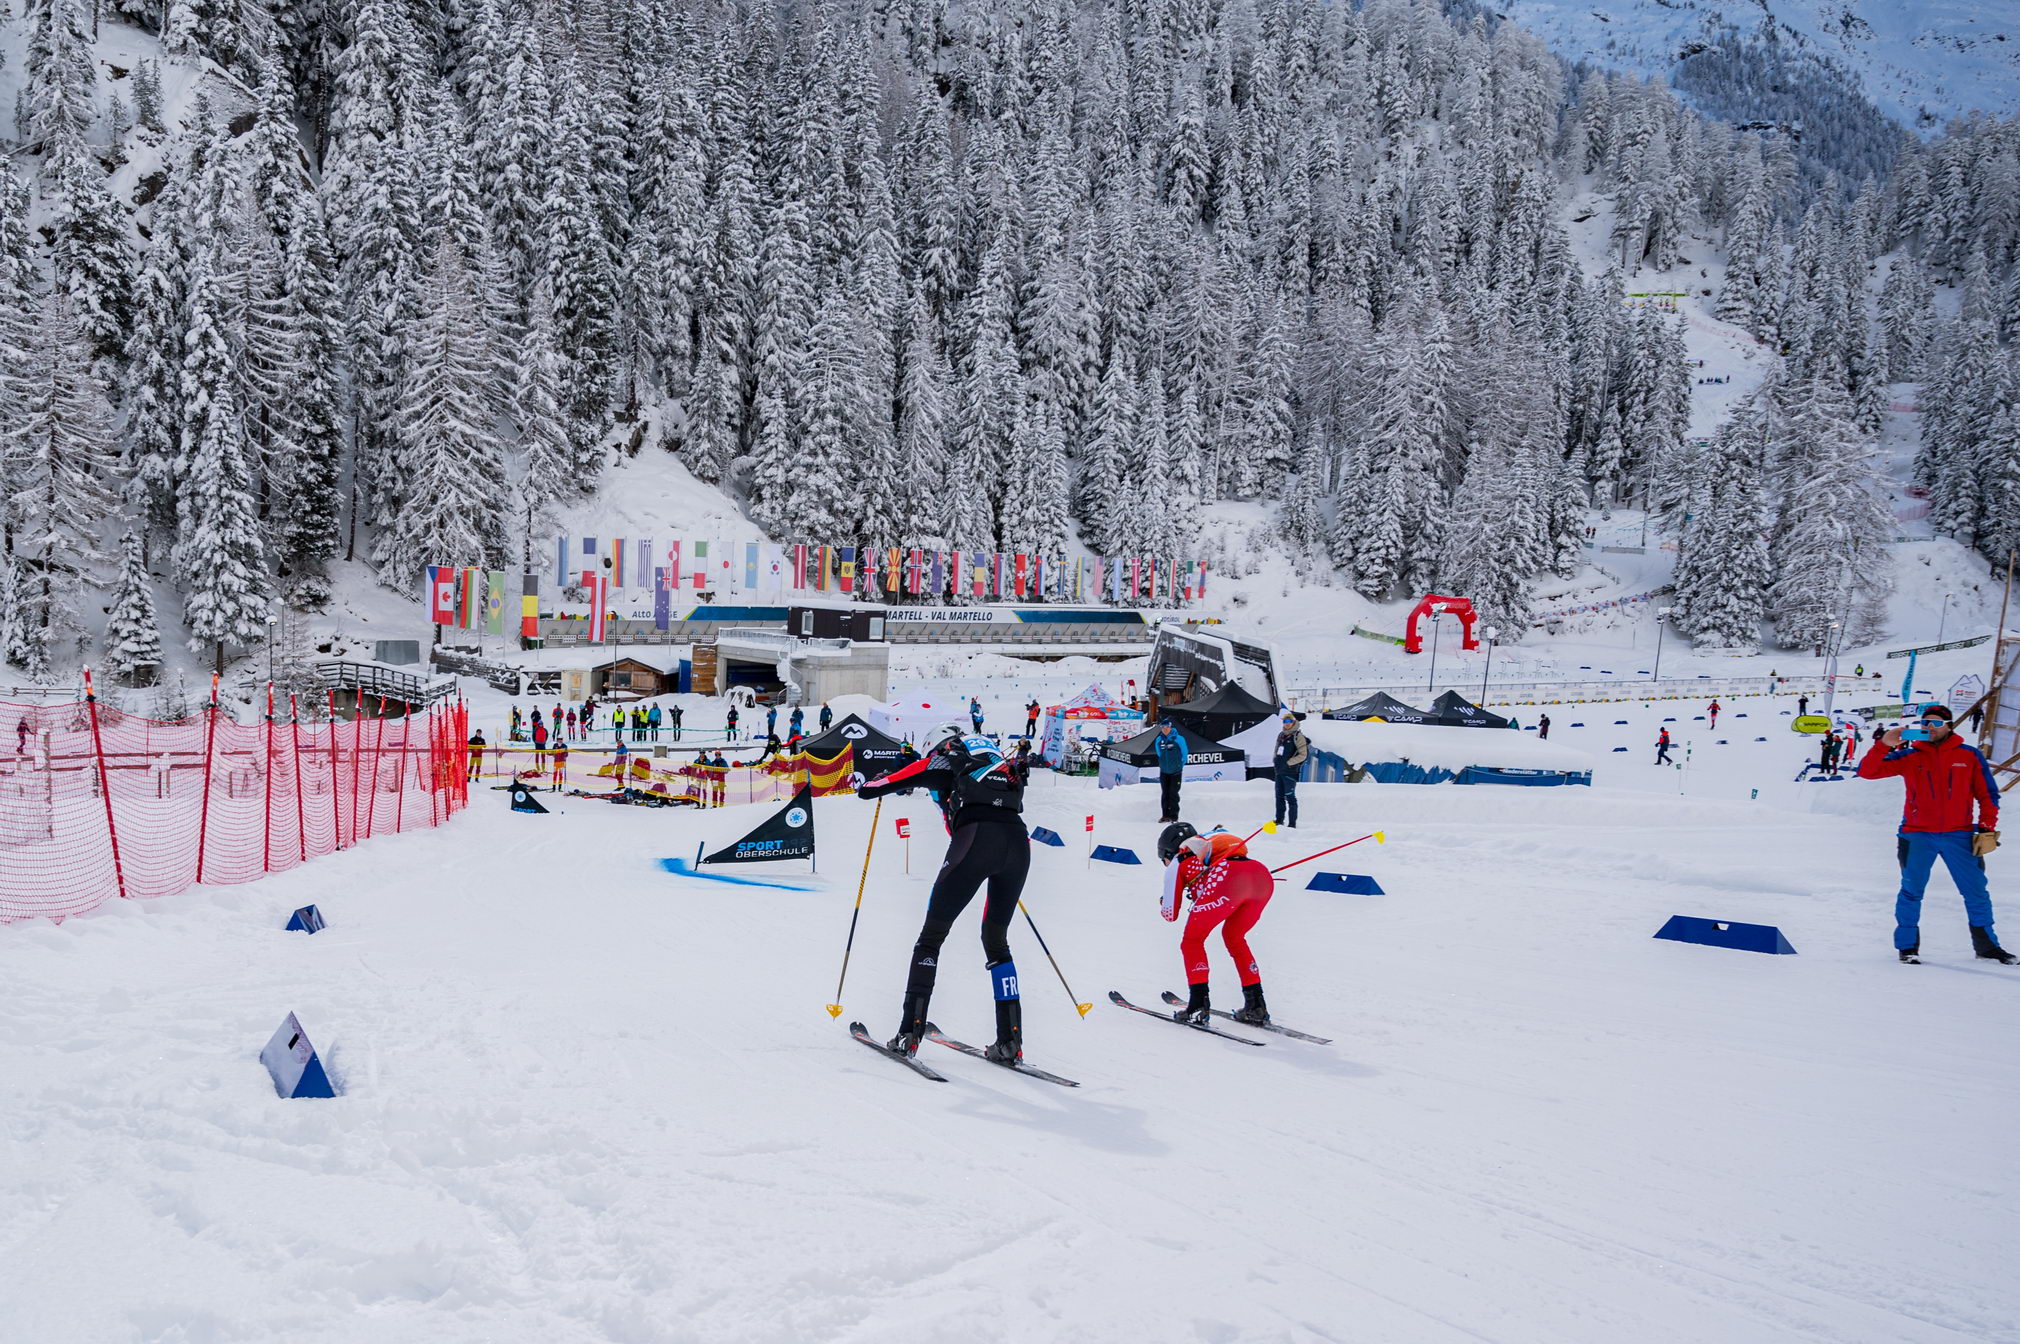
[{"x": 1377, "y": 836}]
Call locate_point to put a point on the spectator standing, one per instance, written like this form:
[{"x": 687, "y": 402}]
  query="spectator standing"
[
  {"x": 1662, "y": 747},
  {"x": 1543, "y": 728},
  {"x": 827, "y": 717},
  {"x": 652, "y": 722},
  {"x": 1951, "y": 812},
  {"x": 1170, "y": 748},
  {"x": 1031, "y": 719},
  {"x": 1293, "y": 749},
  {"x": 732, "y": 725},
  {"x": 975, "y": 712},
  {"x": 560, "y": 768},
  {"x": 477, "y": 745}
]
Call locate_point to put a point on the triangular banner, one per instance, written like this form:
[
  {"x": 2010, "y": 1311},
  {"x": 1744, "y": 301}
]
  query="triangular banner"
[{"x": 787, "y": 834}]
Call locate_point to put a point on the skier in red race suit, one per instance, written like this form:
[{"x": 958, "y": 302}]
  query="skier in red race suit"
[{"x": 1229, "y": 890}]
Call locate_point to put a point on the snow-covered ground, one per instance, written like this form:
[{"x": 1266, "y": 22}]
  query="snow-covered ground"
[{"x": 587, "y": 1100}]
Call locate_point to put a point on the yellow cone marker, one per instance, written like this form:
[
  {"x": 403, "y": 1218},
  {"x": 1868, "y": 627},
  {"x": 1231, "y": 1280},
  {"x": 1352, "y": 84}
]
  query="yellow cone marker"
[
  {"x": 1381, "y": 839},
  {"x": 1269, "y": 828}
]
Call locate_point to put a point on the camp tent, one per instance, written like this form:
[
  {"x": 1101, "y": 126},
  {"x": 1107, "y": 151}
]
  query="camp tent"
[
  {"x": 876, "y": 752},
  {"x": 1453, "y": 710},
  {"x": 1093, "y": 715},
  {"x": 1134, "y": 759},
  {"x": 1381, "y": 705},
  {"x": 1220, "y": 715}
]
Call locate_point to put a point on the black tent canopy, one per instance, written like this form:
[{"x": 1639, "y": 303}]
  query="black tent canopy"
[
  {"x": 1220, "y": 714},
  {"x": 1455, "y": 711},
  {"x": 1381, "y": 705},
  {"x": 876, "y": 752},
  {"x": 1142, "y": 749}
]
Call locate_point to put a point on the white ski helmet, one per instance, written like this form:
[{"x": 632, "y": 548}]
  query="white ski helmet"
[{"x": 943, "y": 733}]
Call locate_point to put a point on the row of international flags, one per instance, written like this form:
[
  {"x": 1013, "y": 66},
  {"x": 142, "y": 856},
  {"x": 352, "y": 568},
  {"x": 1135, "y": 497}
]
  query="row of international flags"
[
  {"x": 762, "y": 567},
  {"x": 607, "y": 567}
]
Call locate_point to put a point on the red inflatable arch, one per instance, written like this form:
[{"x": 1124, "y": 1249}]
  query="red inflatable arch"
[{"x": 1413, "y": 642}]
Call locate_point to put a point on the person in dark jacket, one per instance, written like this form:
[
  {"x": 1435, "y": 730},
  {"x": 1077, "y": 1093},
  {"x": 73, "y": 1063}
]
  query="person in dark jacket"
[
  {"x": 1292, "y": 750},
  {"x": 1951, "y": 812},
  {"x": 981, "y": 798},
  {"x": 1031, "y": 719},
  {"x": 827, "y": 717},
  {"x": 1542, "y": 727},
  {"x": 1833, "y": 744},
  {"x": 1170, "y": 748},
  {"x": 730, "y": 722}
]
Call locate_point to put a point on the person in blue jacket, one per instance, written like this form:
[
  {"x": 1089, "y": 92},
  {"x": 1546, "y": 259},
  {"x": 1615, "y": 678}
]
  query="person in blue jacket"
[{"x": 1170, "y": 748}]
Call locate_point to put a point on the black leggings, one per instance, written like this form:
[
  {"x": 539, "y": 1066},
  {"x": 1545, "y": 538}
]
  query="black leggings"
[{"x": 979, "y": 852}]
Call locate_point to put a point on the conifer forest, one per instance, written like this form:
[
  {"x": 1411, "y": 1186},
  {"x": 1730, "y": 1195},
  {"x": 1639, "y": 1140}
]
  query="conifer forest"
[{"x": 290, "y": 283}]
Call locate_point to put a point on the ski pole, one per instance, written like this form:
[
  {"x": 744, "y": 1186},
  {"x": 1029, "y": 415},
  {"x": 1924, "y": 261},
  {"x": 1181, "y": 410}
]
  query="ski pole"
[
  {"x": 1376, "y": 836},
  {"x": 835, "y": 1008},
  {"x": 1083, "y": 1008}
]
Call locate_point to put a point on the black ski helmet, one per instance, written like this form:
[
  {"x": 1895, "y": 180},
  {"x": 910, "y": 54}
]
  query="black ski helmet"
[{"x": 1174, "y": 835}]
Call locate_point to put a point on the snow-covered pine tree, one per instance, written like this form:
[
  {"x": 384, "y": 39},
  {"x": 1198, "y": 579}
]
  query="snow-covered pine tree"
[
  {"x": 59, "y": 463},
  {"x": 1722, "y": 564},
  {"x": 132, "y": 635},
  {"x": 1830, "y": 545},
  {"x": 1491, "y": 509},
  {"x": 547, "y": 479},
  {"x": 450, "y": 480}
]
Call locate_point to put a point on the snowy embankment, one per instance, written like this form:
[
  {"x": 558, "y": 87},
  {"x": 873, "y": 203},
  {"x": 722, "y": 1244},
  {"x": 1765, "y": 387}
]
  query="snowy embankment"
[{"x": 589, "y": 1101}]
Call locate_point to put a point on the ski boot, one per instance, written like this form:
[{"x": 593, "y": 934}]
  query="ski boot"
[
  {"x": 1987, "y": 947},
  {"x": 1253, "y": 1011},
  {"x": 1009, "y": 1045},
  {"x": 911, "y": 1026},
  {"x": 1195, "y": 1011},
  {"x": 1911, "y": 956}
]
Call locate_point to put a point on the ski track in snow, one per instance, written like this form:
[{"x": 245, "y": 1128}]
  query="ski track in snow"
[{"x": 589, "y": 1101}]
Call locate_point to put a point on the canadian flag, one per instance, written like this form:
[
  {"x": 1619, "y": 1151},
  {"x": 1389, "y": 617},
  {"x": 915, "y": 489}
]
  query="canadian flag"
[{"x": 442, "y": 594}]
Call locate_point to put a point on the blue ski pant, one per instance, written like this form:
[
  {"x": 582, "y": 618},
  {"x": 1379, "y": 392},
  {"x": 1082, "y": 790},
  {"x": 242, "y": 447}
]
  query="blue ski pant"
[
  {"x": 1287, "y": 796},
  {"x": 1918, "y": 852}
]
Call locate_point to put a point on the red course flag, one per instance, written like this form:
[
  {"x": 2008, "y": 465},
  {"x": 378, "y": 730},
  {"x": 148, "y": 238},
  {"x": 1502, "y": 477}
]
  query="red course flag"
[{"x": 904, "y": 828}]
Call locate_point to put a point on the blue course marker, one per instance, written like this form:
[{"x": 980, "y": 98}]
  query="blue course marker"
[
  {"x": 1115, "y": 854},
  {"x": 1045, "y": 837},
  {"x": 1724, "y": 933}
]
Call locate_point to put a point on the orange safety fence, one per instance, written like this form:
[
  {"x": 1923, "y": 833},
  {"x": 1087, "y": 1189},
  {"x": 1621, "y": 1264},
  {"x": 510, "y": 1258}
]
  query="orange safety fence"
[{"x": 97, "y": 804}]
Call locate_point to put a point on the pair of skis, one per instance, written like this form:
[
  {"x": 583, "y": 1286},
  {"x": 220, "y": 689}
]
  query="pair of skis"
[
  {"x": 933, "y": 1033},
  {"x": 1116, "y": 998}
]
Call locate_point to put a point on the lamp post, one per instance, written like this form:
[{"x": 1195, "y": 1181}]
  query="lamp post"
[
  {"x": 1437, "y": 620},
  {"x": 1661, "y": 620},
  {"x": 1943, "y": 619},
  {"x": 273, "y": 634},
  {"x": 1490, "y": 632}
]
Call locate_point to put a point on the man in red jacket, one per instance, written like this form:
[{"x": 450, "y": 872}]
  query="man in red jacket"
[{"x": 1947, "y": 783}]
